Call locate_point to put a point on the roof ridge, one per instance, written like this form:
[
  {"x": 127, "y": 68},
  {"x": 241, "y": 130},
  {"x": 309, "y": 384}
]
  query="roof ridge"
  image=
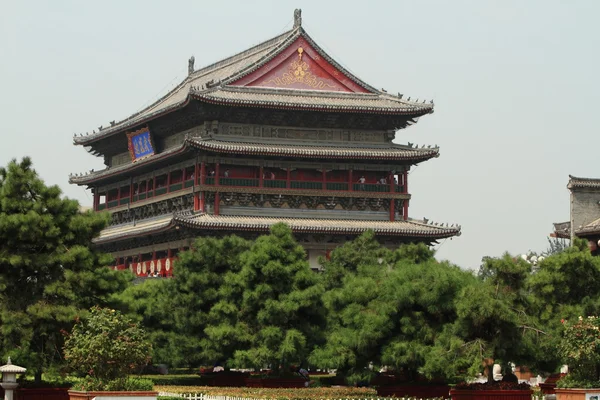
[{"x": 239, "y": 56}]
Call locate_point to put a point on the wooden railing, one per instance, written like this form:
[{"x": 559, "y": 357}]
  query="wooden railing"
[{"x": 254, "y": 182}]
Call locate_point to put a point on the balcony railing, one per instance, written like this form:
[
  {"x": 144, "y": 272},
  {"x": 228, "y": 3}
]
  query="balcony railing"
[
  {"x": 238, "y": 182},
  {"x": 254, "y": 182}
]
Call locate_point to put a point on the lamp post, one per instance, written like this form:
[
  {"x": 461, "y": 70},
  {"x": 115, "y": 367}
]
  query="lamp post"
[{"x": 9, "y": 378}]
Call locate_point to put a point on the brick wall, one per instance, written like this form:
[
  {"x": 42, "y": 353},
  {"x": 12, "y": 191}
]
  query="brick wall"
[{"x": 584, "y": 207}]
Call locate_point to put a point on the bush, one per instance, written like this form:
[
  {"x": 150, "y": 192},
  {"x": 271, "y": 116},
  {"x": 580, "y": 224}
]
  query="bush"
[
  {"x": 106, "y": 347},
  {"x": 93, "y": 384}
]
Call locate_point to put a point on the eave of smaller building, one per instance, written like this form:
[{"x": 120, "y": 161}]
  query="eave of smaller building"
[
  {"x": 583, "y": 183},
  {"x": 562, "y": 230},
  {"x": 591, "y": 229}
]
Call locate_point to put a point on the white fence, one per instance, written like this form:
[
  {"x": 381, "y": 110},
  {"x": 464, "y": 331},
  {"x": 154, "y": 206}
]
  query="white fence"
[{"x": 202, "y": 396}]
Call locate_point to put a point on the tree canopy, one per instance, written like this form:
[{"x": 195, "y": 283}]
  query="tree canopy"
[{"x": 48, "y": 271}]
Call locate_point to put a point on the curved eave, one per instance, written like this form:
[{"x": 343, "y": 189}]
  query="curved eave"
[
  {"x": 128, "y": 124},
  {"x": 130, "y": 232},
  {"x": 107, "y": 173},
  {"x": 298, "y": 225},
  {"x": 306, "y": 152},
  {"x": 209, "y": 97}
]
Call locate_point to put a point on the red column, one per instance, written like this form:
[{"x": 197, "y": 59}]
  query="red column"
[
  {"x": 392, "y": 210},
  {"x": 405, "y": 212},
  {"x": 169, "y": 253},
  {"x": 261, "y": 177},
  {"x": 405, "y": 182},
  {"x": 196, "y": 201},
  {"x": 217, "y": 201},
  {"x": 202, "y": 206},
  {"x": 350, "y": 181},
  {"x": 391, "y": 182},
  {"x": 153, "y": 185},
  {"x": 202, "y": 173},
  {"x": 131, "y": 191},
  {"x": 196, "y": 173},
  {"x": 217, "y": 174},
  {"x": 288, "y": 178}
]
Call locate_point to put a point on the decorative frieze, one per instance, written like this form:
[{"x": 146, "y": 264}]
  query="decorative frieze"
[
  {"x": 301, "y": 202},
  {"x": 162, "y": 207},
  {"x": 296, "y": 133}
]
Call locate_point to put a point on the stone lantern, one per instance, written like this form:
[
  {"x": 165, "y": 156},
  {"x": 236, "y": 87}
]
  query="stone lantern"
[{"x": 9, "y": 378}]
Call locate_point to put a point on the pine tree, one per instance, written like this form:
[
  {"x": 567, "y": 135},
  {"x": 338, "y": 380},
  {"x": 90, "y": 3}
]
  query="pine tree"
[{"x": 48, "y": 270}]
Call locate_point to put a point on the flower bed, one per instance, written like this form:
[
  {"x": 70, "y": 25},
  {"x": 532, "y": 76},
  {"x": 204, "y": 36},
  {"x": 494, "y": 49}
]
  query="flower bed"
[
  {"x": 280, "y": 394},
  {"x": 491, "y": 391}
]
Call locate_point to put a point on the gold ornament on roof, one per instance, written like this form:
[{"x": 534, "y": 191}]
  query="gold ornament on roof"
[{"x": 298, "y": 73}]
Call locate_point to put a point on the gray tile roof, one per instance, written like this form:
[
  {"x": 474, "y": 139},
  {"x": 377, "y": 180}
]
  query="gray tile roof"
[
  {"x": 311, "y": 100},
  {"x": 583, "y": 183},
  {"x": 211, "y": 84},
  {"x": 593, "y": 228},
  {"x": 144, "y": 227},
  {"x": 409, "y": 228},
  {"x": 318, "y": 150},
  {"x": 91, "y": 176},
  {"x": 562, "y": 229},
  {"x": 392, "y": 152},
  {"x": 313, "y": 225}
]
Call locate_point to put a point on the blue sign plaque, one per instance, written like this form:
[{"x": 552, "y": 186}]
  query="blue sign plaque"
[{"x": 140, "y": 144}]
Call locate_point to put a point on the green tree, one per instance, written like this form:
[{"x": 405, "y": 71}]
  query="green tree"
[
  {"x": 563, "y": 288},
  {"x": 202, "y": 312},
  {"x": 150, "y": 304},
  {"x": 385, "y": 307},
  {"x": 107, "y": 347},
  {"x": 48, "y": 271},
  {"x": 277, "y": 299},
  {"x": 494, "y": 321}
]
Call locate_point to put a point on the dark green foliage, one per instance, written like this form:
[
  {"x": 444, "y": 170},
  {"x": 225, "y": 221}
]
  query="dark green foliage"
[
  {"x": 564, "y": 287},
  {"x": 278, "y": 300},
  {"x": 493, "y": 320},
  {"x": 204, "y": 316},
  {"x": 385, "y": 307},
  {"x": 48, "y": 272}
]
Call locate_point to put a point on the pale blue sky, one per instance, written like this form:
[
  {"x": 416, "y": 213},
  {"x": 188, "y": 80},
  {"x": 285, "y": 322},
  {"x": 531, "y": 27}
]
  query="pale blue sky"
[{"x": 515, "y": 86}]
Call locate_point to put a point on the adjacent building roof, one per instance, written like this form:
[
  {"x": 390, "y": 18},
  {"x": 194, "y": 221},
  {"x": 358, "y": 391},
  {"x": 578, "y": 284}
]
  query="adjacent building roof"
[
  {"x": 562, "y": 230},
  {"x": 387, "y": 151},
  {"x": 583, "y": 183},
  {"x": 229, "y": 82},
  {"x": 409, "y": 229},
  {"x": 593, "y": 228}
]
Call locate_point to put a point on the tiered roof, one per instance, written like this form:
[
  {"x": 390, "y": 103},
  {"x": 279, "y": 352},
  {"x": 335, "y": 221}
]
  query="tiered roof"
[
  {"x": 410, "y": 228},
  {"x": 386, "y": 152},
  {"x": 289, "y": 71}
]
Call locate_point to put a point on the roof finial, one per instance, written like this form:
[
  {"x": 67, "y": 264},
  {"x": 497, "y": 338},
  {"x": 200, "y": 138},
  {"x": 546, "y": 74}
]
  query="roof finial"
[
  {"x": 9, "y": 362},
  {"x": 191, "y": 62},
  {"x": 297, "y": 18}
]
